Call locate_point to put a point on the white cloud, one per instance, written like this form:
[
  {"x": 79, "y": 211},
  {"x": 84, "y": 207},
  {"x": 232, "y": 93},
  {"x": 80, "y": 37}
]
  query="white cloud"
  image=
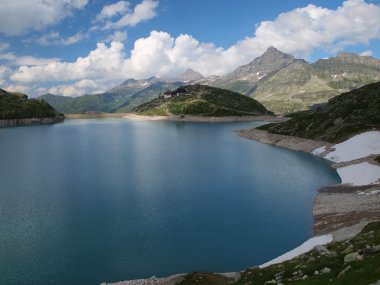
[
  {"x": 143, "y": 11},
  {"x": 26, "y": 60},
  {"x": 19, "y": 16},
  {"x": 367, "y": 53},
  {"x": 54, "y": 38},
  {"x": 78, "y": 88},
  {"x": 4, "y": 46},
  {"x": 298, "y": 32},
  {"x": 112, "y": 10},
  {"x": 117, "y": 36},
  {"x": 302, "y": 30},
  {"x": 103, "y": 62}
]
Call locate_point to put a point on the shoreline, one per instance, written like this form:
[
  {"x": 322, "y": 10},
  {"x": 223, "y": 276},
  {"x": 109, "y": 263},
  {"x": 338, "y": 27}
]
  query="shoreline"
[
  {"x": 9, "y": 123},
  {"x": 176, "y": 118},
  {"x": 342, "y": 209}
]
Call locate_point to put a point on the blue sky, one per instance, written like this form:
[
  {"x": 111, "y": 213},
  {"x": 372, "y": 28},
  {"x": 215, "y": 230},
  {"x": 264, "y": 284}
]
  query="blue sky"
[{"x": 72, "y": 47}]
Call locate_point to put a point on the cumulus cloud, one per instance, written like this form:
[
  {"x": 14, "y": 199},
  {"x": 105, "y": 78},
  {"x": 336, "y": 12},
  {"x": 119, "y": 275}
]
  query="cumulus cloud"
[
  {"x": 367, "y": 53},
  {"x": 143, "y": 11},
  {"x": 297, "y": 32},
  {"x": 302, "y": 30},
  {"x": 54, "y": 38},
  {"x": 109, "y": 11},
  {"x": 117, "y": 36},
  {"x": 78, "y": 88},
  {"x": 18, "y": 16},
  {"x": 4, "y": 46},
  {"x": 103, "y": 62},
  {"x": 25, "y": 60}
]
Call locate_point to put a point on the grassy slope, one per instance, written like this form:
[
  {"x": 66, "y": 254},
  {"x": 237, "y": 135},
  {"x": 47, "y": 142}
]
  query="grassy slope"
[
  {"x": 18, "y": 106},
  {"x": 344, "y": 116},
  {"x": 364, "y": 271},
  {"x": 205, "y": 101}
]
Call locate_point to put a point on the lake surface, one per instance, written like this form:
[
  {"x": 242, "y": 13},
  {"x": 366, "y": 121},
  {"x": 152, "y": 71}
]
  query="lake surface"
[{"x": 89, "y": 201}]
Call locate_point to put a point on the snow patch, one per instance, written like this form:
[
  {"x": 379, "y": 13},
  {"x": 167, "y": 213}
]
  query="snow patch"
[
  {"x": 303, "y": 248},
  {"x": 359, "y": 174},
  {"x": 373, "y": 192},
  {"x": 356, "y": 147},
  {"x": 319, "y": 151}
]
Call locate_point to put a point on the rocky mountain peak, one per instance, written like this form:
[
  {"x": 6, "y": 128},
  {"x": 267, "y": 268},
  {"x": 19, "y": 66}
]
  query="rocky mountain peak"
[
  {"x": 271, "y": 60},
  {"x": 189, "y": 75}
]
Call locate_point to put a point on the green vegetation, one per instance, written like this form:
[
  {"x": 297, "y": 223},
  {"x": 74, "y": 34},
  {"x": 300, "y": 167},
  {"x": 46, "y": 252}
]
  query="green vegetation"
[
  {"x": 327, "y": 265},
  {"x": 341, "y": 118},
  {"x": 205, "y": 101},
  {"x": 204, "y": 278},
  {"x": 18, "y": 106}
]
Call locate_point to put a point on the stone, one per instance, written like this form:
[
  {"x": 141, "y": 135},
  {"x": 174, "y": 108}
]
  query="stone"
[
  {"x": 305, "y": 277},
  {"x": 348, "y": 250},
  {"x": 325, "y": 270},
  {"x": 322, "y": 250},
  {"x": 360, "y": 257},
  {"x": 376, "y": 248},
  {"x": 350, "y": 257},
  {"x": 344, "y": 271},
  {"x": 311, "y": 259},
  {"x": 316, "y": 273}
]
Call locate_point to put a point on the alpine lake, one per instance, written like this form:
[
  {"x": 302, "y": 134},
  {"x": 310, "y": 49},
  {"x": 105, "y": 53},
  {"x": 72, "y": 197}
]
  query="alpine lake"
[{"x": 104, "y": 200}]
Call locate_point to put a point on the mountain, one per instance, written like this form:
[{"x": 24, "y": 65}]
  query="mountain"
[
  {"x": 202, "y": 100},
  {"x": 342, "y": 117},
  {"x": 243, "y": 79},
  {"x": 348, "y": 70},
  {"x": 18, "y": 106},
  {"x": 292, "y": 88},
  {"x": 188, "y": 76},
  {"x": 122, "y": 98},
  {"x": 282, "y": 83}
]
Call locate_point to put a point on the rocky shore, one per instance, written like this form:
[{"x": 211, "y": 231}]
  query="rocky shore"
[
  {"x": 30, "y": 122},
  {"x": 338, "y": 206}
]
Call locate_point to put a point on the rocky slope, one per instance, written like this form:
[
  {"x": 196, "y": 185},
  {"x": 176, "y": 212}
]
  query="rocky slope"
[
  {"x": 205, "y": 101},
  {"x": 16, "y": 109},
  {"x": 285, "y": 84},
  {"x": 342, "y": 117}
]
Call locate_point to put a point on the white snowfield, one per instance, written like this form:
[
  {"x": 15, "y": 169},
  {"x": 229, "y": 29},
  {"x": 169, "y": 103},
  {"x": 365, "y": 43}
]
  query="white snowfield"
[
  {"x": 360, "y": 146},
  {"x": 359, "y": 174},
  {"x": 303, "y": 248},
  {"x": 356, "y": 147}
]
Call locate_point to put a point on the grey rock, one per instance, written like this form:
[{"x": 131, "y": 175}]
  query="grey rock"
[
  {"x": 351, "y": 257},
  {"x": 321, "y": 249},
  {"x": 348, "y": 250},
  {"x": 325, "y": 270},
  {"x": 316, "y": 273},
  {"x": 344, "y": 271}
]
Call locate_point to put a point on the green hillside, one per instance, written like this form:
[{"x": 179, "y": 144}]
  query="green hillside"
[
  {"x": 204, "y": 101},
  {"x": 342, "y": 117},
  {"x": 18, "y": 106}
]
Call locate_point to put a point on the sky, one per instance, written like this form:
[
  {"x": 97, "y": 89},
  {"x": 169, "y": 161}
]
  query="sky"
[{"x": 76, "y": 47}]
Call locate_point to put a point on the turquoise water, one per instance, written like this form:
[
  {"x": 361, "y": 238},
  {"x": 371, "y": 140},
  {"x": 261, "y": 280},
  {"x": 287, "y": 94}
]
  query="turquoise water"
[{"x": 89, "y": 201}]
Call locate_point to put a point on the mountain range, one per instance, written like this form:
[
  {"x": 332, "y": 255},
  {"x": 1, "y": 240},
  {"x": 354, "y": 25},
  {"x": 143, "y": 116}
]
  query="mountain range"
[{"x": 282, "y": 83}]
